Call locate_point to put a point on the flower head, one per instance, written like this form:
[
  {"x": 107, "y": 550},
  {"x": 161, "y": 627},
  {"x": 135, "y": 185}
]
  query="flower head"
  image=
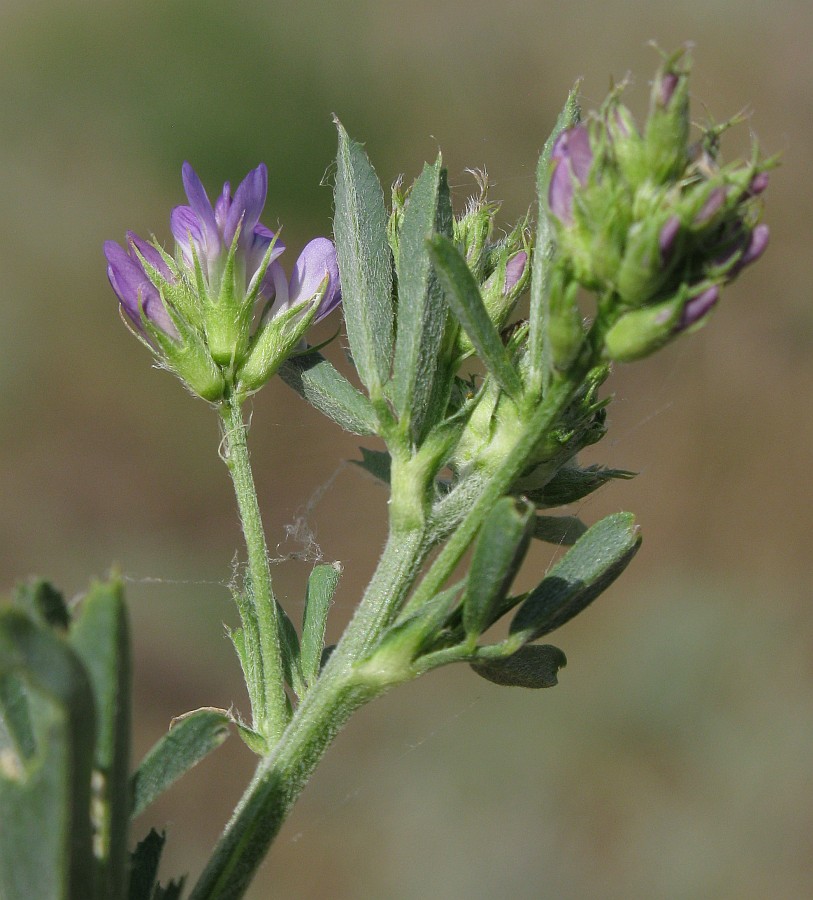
[{"x": 196, "y": 310}]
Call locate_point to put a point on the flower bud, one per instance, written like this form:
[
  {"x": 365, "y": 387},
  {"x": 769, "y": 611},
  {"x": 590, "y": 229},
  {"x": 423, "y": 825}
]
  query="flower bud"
[
  {"x": 572, "y": 158},
  {"x": 667, "y": 128}
]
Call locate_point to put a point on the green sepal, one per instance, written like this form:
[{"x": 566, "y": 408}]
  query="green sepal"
[
  {"x": 100, "y": 636},
  {"x": 46, "y": 839},
  {"x": 590, "y": 566},
  {"x": 422, "y": 311},
  {"x": 365, "y": 263},
  {"x": 561, "y": 530},
  {"x": 274, "y": 342},
  {"x": 666, "y": 135},
  {"x": 315, "y": 379},
  {"x": 532, "y": 666},
  {"x": 188, "y": 357},
  {"x": 322, "y": 584},
  {"x": 463, "y": 295},
  {"x": 539, "y": 349},
  {"x": 641, "y": 332},
  {"x": 498, "y": 553},
  {"x": 190, "y": 738}
]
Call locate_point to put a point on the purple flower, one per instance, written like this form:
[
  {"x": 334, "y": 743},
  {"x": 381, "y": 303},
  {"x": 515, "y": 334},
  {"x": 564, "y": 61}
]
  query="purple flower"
[
  {"x": 208, "y": 232},
  {"x": 572, "y": 158},
  {"x": 133, "y": 286},
  {"x": 667, "y": 239},
  {"x": 514, "y": 270},
  {"x": 316, "y": 261},
  {"x": 698, "y": 307}
]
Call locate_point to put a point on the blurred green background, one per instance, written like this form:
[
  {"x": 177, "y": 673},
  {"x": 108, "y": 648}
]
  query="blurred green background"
[{"x": 675, "y": 758}]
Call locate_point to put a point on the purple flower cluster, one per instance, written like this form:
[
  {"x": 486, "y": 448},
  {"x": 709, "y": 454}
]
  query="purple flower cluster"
[{"x": 211, "y": 239}]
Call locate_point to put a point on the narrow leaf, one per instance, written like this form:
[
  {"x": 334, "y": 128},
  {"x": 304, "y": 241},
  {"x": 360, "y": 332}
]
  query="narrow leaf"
[
  {"x": 315, "y": 379},
  {"x": 422, "y": 311},
  {"x": 532, "y": 666},
  {"x": 189, "y": 740},
  {"x": 377, "y": 462},
  {"x": 365, "y": 263},
  {"x": 498, "y": 554},
  {"x": 289, "y": 645},
  {"x": 572, "y": 483},
  {"x": 144, "y": 862},
  {"x": 100, "y": 637},
  {"x": 463, "y": 295},
  {"x": 321, "y": 587},
  {"x": 45, "y": 840},
  {"x": 539, "y": 349},
  {"x": 17, "y": 730},
  {"x": 560, "y": 530},
  {"x": 43, "y": 602},
  {"x": 586, "y": 570}
]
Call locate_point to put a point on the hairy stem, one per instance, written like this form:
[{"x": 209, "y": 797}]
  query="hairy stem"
[{"x": 273, "y": 715}]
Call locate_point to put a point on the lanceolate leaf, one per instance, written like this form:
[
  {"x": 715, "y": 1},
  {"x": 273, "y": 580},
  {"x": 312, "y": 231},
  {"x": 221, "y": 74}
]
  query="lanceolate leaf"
[
  {"x": 365, "y": 263},
  {"x": 188, "y": 741},
  {"x": 312, "y": 376},
  {"x": 100, "y": 637},
  {"x": 321, "y": 587},
  {"x": 45, "y": 838},
  {"x": 422, "y": 312},
  {"x": 498, "y": 554},
  {"x": 586, "y": 570},
  {"x": 463, "y": 295}
]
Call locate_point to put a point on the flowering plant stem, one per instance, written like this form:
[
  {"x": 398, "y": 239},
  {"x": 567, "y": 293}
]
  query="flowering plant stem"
[
  {"x": 342, "y": 686},
  {"x": 258, "y": 610}
]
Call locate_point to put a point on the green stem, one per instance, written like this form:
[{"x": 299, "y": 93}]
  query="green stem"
[
  {"x": 272, "y": 716},
  {"x": 540, "y": 420},
  {"x": 340, "y": 690},
  {"x": 281, "y": 776}
]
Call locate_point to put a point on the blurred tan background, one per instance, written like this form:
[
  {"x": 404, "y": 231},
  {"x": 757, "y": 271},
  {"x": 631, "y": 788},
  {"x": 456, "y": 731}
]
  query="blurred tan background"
[{"x": 675, "y": 758}]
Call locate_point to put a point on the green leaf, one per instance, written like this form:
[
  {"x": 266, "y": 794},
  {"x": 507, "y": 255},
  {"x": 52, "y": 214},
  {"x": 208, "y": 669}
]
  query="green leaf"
[
  {"x": 572, "y": 483},
  {"x": 532, "y": 666},
  {"x": 315, "y": 379},
  {"x": 100, "y": 637},
  {"x": 561, "y": 530},
  {"x": 500, "y": 549},
  {"x": 539, "y": 351},
  {"x": 144, "y": 862},
  {"x": 365, "y": 263},
  {"x": 289, "y": 645},
  {"x": 584, "y": 572},
  {"x": 377, "y": 462},
  {"x": 45, "y": 839},
  {"x": 189, "y": 740},
  {"x": 422, "y": 311},
  {"x": 43, "y": 602},
  {"x": 463, "y": 295},
  {"x": 16, "y": 727},
  {"x": 321, "y": 587}
]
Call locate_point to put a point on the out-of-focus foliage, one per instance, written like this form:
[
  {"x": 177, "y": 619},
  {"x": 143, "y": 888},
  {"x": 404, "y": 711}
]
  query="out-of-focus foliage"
[{"x": 676, "y": 763}]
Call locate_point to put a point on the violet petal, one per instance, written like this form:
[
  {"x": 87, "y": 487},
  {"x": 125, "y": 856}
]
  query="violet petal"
[
  {"x": 202, "y": 207},
  {"x": 316, "y": 260}
]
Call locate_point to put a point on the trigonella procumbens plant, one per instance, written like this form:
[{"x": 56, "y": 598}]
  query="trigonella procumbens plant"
[{"x": 482, "y": 402}]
